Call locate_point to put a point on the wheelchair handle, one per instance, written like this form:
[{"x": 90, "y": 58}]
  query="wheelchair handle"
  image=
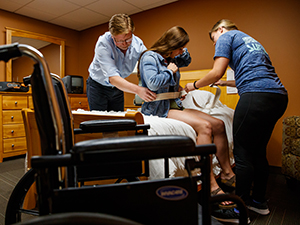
[
  {"x": 14, "y": 50},
  {"x": 10, "y": 51}
]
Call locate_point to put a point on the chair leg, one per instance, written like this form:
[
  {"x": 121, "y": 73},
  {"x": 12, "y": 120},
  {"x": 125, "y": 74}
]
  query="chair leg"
[{"x": 291, "y": 182}]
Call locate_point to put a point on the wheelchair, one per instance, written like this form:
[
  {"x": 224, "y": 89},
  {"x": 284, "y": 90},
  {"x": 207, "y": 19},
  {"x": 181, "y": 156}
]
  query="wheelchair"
[{"x": 64, "y": 164}]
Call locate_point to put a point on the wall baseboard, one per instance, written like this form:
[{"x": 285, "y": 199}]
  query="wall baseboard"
[{"x": 275, "y": 169}]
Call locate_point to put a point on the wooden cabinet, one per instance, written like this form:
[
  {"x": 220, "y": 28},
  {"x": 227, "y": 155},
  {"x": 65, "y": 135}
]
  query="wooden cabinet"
[
  {"x": 78, "y": 101},
  {"x": 13, "y": 138},
  {"x": 12, "y": 132}
]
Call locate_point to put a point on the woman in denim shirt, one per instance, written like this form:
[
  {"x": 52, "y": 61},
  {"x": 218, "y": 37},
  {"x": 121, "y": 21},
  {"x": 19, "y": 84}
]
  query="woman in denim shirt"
[{"x": 158, "y": 70}]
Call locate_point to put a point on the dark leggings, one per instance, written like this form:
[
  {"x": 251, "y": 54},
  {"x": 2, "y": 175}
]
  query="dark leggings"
[{"x": 254, "y": 119}]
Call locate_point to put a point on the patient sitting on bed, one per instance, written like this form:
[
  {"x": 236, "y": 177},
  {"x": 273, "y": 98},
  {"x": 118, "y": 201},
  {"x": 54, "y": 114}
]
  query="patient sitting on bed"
[{"x": 158, "y": 70}]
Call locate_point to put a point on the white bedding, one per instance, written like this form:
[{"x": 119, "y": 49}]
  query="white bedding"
[
  {"x": 164, "y": 126},
  {"x": 167, "y": 126}
]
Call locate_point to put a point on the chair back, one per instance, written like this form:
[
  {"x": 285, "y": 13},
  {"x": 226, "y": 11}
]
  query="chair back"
[{"x": 51, "y": 130}]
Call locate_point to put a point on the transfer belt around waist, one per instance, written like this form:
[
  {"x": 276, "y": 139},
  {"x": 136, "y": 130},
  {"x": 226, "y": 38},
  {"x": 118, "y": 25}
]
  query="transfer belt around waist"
[{"x": 174, "y": 95}]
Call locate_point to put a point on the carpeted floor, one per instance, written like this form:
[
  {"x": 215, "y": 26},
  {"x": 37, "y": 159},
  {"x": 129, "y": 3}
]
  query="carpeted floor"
[
  {"x": 284, "y": 203},
  {"x": 11, "y": 170}
]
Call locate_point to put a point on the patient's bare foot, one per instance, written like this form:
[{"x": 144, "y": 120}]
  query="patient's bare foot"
[
  {"x": 227, "y": 175},
  {"x": 228, "y": 180},
  {"x": 225, "y": 204}
]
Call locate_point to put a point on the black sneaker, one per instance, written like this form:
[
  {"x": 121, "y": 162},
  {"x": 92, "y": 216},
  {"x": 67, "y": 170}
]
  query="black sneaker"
[
  {"x": 260, "y": 208},
  {"x": 226, "y": 215}
]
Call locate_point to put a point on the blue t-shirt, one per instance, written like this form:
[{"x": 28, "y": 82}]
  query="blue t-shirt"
[{"x": 251, "y": 63}]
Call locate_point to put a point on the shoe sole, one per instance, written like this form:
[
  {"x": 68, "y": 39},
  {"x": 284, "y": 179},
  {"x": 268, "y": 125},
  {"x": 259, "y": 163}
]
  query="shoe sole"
[
  {"x": 227, "y": 220},
  {"x": 230, "y": 220},
  {"x": 259, "y": 211}
]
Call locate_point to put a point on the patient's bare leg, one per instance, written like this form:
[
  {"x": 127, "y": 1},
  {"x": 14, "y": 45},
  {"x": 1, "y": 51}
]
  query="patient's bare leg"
[
  {"x": 207, "y": 127},
  {"x": 221, "y": 142}
]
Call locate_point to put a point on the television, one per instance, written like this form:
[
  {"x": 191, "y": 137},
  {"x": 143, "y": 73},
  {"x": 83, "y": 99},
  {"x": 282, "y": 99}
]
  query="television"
[{"x": 74, "y": 84}]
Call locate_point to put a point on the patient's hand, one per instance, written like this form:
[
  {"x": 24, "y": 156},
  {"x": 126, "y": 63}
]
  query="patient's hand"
[
  {"x": 173, "y": 67},
  {"x": 229, "y": 83},
  {"x": 220, "y": 83}
]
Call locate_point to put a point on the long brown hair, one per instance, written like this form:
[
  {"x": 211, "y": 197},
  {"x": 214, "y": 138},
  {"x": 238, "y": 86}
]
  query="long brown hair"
[{"x": 174, "y": 38}]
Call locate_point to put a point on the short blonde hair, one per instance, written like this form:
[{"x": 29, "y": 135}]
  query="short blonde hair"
[
  {"x": 120, "y": 24},
  {"x": 227, "y": 24}
]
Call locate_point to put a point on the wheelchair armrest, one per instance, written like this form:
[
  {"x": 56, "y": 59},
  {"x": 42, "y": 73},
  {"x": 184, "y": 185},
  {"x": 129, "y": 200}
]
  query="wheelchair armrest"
[
  {"x": 125, "y": 149},
  {"x": 136, "y": 148},
  {"x": 98, "y": 126}
]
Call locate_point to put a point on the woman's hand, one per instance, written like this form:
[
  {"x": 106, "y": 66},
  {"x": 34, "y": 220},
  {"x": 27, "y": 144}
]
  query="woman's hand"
[
  {"x": 146, "y": 94},
  {"x": 189, "y": 87},
  {"x": 182, "y": 97}
]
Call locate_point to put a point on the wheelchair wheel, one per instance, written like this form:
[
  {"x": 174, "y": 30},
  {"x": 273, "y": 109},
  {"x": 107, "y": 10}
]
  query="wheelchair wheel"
[
  {"x": 79, "y": 218},
  {"x": 14, "y": 210}
]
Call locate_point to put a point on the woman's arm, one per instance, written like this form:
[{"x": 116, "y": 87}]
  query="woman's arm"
[
  {"x": 129, "y": 87},
  {"x": 154, "y": 74},
  {"x": 217, "y": 72}
]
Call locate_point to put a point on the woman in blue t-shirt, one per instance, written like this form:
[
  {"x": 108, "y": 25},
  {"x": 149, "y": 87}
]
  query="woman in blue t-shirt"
[{"x": 263, "y": 100}]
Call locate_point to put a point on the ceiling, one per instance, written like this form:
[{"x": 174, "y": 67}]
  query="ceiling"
[{"x": 78, "y": 14}]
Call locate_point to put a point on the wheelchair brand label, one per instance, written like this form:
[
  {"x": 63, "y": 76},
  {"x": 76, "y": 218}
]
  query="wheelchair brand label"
[{"x": 173, "y": 193}]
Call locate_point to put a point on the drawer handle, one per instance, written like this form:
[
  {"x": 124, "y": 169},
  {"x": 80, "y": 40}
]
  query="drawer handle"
[
  {"x": 16, "y": 102},
  {"x": 79, "y": 103},
  {"x": 12, "y": 117},
  {"x": 12, "y": 131},
  {"x": 12, "y": 145}
]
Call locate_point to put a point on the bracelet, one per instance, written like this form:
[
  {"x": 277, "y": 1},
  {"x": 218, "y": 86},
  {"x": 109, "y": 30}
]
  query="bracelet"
[{"x": 195, "y": 84}]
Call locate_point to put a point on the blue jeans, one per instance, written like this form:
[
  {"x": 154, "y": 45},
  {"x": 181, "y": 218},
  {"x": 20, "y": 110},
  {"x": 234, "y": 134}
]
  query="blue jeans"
[
  {"x": 254, "y": 119},
  {"x": 104, "y": 98}
]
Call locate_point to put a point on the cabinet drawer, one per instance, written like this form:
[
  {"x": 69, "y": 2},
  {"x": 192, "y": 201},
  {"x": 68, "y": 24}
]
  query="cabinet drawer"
[
  {"x": 14, "y": 102},
  {"x": 13, "y": 130},
  {"x": 12, "y": 116},
  {"x": 79, "y": 103},
  {"x": 14, "y": 144}
]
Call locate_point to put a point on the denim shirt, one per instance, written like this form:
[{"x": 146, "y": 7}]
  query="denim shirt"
[
  {"x": 157, "y": 78},
  {"x": 109, "y": 61}
]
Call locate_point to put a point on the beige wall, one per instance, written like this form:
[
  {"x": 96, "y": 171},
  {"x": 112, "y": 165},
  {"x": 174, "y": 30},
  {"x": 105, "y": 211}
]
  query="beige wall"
[{"x": 274, "y": 23}]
